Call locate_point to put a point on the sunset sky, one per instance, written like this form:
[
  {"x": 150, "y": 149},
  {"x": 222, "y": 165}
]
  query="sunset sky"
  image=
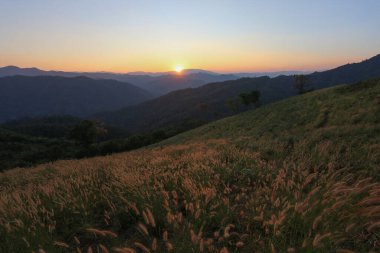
[{"x": 219, "y": 35}]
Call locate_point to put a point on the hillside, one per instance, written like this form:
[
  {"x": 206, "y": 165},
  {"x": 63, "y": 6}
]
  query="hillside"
[
  {"x": 31, "y": 141},
  {"x": 52, "y": 142},
  {"x": 19, "y": 150},
  {"x": 22, "y": 96},
  {"x": 335, "y": 123},
  {"x": 181, "y": 105},
  {"x": 300, "y": 175},
  {"x": 211, "y": 101}
]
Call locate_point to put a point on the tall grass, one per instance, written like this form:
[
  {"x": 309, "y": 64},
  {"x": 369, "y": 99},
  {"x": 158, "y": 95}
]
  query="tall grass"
[
  {"x": 299, "y": 176},
  {"x": 200, "y": 197}
]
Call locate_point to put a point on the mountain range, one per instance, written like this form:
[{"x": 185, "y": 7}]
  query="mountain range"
[
  {"x": 216, "y": 100},
  {"x": 159, "y": 83},
  {"x": 130, "y": 107},
  {"x": 22, "y": 96}
]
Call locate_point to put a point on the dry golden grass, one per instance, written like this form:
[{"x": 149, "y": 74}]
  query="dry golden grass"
[{"x": 198, "y": 197}]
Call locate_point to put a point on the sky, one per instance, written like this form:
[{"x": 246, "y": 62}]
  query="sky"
[{"x": 217, "y": 35}]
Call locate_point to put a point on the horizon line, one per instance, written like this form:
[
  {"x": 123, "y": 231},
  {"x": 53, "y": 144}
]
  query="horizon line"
[{"x": 142, "y": 72}]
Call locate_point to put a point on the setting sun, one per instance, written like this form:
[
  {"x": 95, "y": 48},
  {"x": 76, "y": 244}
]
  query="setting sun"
[{"x": 178, "y": 68}]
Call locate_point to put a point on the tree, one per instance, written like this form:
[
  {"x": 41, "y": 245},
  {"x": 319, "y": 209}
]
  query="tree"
[
  {"x": 300, "y": 82},
  {"x": 252, "y": 97},
  {"x": 87, "y": 131}
]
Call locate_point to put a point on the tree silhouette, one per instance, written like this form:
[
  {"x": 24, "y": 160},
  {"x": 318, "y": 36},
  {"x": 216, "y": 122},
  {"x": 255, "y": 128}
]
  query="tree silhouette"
[
  {"x": 300, "y": 82},
  {"x": 252, "y": 97}
]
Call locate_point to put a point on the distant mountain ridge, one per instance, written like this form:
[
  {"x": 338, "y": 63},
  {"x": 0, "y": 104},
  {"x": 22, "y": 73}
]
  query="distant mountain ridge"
[
  {"x": 158, "y": 83},
  {"x": 137, "y": 113},
  {"x": 26, "y": 96},
  {"x": 185, "y": 71},
  {"x": 271, "y": 74},
  {"x": 209, "y": 102}
]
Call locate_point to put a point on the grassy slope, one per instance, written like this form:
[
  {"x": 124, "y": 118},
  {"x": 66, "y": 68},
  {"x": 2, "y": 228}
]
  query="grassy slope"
[
  {"x": 339, "y": 125},
  {"x": 289, "y": 177}
]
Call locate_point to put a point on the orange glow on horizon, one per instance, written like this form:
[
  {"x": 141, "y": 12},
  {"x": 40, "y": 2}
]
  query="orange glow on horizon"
[
  {"x": 230, "y": 62},
  {"x": 237, "y": 36}
]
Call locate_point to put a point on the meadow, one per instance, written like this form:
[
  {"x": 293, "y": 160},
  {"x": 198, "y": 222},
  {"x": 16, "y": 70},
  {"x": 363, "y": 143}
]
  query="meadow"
[{"x": 301, "y": 175}]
